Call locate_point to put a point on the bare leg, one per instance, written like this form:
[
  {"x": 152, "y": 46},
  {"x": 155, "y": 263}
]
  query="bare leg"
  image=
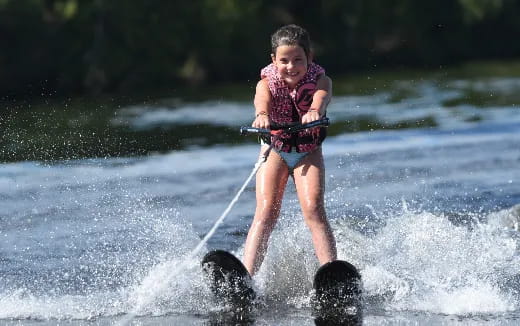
[
  {"x": 270, "y": 185},
  {"x": 309, "y": 177}
]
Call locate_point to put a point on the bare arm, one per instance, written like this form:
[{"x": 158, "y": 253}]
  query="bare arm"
[
  {"x": 320, "y": 100},
  {"x": 262, "y": 104}
]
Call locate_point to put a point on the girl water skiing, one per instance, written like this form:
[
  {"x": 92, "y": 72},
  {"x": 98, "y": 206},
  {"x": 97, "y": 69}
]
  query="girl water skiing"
[{"x": 292, "y": 89}]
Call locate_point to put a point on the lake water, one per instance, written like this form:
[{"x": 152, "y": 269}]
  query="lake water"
[{"x": 428, "y": 214}]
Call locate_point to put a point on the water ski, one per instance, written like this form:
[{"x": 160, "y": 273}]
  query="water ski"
[
  {"x": 337, "y": 287},
  {"x": 229, "y": 280}
]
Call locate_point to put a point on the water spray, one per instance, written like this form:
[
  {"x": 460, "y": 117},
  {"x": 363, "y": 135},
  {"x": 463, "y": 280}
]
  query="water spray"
[{"x": 290, "y": 128}]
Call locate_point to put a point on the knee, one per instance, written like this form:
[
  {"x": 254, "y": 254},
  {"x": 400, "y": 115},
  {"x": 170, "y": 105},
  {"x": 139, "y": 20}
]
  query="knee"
[
  {"x": 314, "y": 213},
  {"x": 267, "y": 213},
  {"x": 263, "y": 225}
]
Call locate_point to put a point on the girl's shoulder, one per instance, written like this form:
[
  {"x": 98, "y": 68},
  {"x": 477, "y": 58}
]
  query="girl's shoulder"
[{"x": 262, "y": 84}]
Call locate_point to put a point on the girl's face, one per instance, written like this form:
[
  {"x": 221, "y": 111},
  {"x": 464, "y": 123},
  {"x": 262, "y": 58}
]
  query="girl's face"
[{"x": 291, "y": 63}]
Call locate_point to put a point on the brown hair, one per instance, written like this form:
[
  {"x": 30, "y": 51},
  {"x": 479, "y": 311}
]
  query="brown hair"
[{"x": 291, "y": 35}]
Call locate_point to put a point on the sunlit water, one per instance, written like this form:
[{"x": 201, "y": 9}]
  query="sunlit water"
[{"x": 427, "y": 215}]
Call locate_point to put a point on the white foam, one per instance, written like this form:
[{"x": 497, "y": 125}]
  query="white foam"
[
  {"x": 20, "y": 305},
  {"x": 423, "y": 262},
  {"x": 479, "y": 298},
  {"x": 175, "y": 285},
  {"x": 287, "y": 272}
]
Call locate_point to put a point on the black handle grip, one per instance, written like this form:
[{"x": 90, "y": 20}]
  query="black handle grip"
[{"x": 288, "y": 128}]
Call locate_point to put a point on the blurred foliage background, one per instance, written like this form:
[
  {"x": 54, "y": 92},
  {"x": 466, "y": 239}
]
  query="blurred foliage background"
[{"x": 89, "y": 47}]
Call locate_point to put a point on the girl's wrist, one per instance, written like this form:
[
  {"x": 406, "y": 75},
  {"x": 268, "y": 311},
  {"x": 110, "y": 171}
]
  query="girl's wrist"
[
  {"x": 315, "y": 110},
  {"x": 261, "y": 113}
]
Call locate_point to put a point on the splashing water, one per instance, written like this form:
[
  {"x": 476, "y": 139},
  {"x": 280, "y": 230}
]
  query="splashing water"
[{"x": 423, "y": 262}]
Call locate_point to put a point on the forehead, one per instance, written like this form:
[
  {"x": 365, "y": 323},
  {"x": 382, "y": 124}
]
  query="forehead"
[{"x": 289, "y": 51}]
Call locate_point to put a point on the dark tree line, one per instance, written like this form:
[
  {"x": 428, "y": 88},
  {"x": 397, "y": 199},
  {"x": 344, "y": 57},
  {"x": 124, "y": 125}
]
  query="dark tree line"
[{"x": 94, "y": 46}]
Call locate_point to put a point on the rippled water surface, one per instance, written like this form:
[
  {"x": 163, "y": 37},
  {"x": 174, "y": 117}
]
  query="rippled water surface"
[{"x": 426, "y": 205}]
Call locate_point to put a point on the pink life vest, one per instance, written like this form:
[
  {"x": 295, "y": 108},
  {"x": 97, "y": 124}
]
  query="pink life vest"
[{"x": 289, "y": 106}]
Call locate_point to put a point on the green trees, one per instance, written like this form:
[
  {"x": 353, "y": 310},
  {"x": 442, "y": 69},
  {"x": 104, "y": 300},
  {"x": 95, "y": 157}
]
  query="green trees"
[{"x": 80, "y": 46}]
